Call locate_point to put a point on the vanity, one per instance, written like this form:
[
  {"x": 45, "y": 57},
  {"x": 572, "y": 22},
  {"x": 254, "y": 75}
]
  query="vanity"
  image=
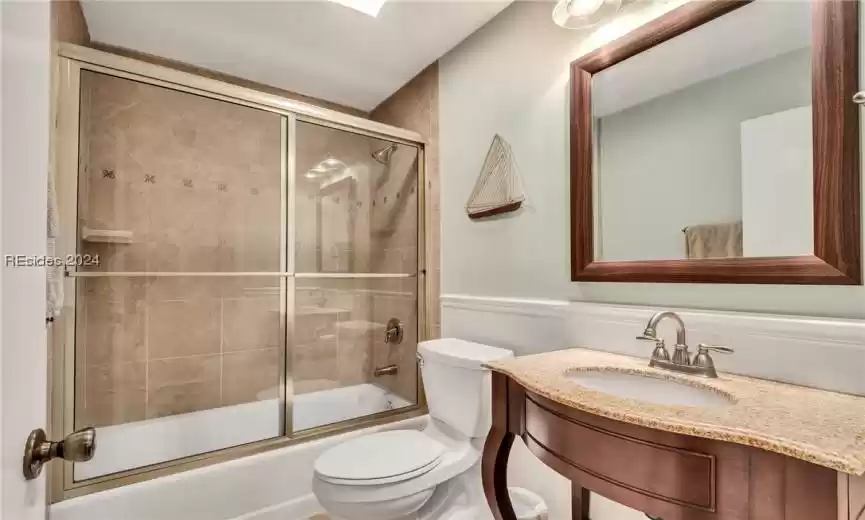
[{"x": 675, "y": 446}]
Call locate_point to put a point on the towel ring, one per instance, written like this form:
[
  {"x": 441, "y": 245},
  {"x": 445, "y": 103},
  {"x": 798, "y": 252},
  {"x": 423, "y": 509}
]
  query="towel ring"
[{"x": 859, "y": 97}]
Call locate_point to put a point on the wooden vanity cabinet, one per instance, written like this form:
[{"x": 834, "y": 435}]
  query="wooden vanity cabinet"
[{"x": 667, "y": 475}]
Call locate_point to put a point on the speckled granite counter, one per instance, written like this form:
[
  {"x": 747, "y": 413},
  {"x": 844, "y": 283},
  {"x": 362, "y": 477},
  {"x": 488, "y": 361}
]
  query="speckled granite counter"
[{"x": 822, "y": 427}]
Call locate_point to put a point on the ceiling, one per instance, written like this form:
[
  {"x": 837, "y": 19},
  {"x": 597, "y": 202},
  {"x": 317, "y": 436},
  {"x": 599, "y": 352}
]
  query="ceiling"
[{"x": 317, "y": 48}]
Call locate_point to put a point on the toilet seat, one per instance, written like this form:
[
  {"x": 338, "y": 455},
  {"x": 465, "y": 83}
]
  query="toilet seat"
[{"x": 380, "y": 458}]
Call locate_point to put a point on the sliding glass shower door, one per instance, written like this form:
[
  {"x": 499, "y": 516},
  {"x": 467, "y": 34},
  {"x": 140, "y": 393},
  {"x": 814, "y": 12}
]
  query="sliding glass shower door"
[
  {"x": 179, "y": 201},
  {"x": 255, "y": 279},
  {"x": 356, "y": 262}
]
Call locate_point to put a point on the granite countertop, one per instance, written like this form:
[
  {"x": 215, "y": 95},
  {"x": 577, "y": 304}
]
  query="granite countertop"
[{"x": 818, "y": 426}]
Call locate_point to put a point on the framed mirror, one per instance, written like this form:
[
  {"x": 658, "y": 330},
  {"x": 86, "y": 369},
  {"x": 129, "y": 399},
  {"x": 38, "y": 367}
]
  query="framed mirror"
[{"x": 720, "y": 144}]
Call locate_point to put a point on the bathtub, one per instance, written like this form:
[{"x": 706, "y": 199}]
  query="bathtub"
[{"x": 193, "y": 433}]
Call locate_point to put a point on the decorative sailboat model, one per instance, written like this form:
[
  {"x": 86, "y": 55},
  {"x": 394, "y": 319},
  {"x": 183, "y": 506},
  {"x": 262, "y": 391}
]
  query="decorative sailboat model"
[{"x": 498, "y": 189}]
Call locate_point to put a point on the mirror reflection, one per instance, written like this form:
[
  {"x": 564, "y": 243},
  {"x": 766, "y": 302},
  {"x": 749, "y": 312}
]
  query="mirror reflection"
[{"x": 703, "y": 144}]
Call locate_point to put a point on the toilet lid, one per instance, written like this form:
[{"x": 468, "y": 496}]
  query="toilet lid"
[{"x": 387, "y": 456}]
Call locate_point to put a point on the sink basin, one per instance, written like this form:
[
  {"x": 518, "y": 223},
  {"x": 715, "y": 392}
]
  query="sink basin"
[{"x": 650, "y": 389}]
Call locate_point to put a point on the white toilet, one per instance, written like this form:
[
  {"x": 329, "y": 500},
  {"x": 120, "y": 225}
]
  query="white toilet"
[{"x": 433, "y": 474}]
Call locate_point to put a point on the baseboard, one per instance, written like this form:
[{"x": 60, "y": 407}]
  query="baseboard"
[{"x": 817, "y": 352}]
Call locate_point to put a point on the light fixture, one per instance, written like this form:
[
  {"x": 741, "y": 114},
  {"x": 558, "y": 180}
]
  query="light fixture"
[
  {"x": 316, "y": 173},
  {"x": 576, "y": 14},
  {"x": 369, "y": 7},
  {"x": 329, "y": 166}
]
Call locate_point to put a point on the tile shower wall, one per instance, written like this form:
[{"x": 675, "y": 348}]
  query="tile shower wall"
[
  {"x": 339, "y": 332},
  {"x": 195, "y": 184},
  {"x": 329, "y": 350},
  {"x": 415, "y": 107}
]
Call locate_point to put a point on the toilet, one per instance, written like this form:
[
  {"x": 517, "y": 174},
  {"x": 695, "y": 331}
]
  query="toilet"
[{"x": 431, "y": 474}]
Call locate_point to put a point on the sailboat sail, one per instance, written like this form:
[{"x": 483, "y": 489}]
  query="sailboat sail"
[{"x": 498, "y": 189}]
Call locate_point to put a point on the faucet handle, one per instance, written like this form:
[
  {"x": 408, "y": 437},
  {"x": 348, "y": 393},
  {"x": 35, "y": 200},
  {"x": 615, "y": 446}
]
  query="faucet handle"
[
  {"x": 660, "y": 353},
  {"x": 703, "y": 348}
]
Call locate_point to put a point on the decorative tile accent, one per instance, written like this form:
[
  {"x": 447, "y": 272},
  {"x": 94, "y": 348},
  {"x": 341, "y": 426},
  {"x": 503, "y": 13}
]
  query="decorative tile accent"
[
  {"x": 151, "y": 179},
  {"x": 187, "y": 183},
  {"x": 109, "y": 174}
]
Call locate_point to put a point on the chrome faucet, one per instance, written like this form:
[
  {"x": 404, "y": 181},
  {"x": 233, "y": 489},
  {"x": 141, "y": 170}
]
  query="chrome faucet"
[{"x": 702, "y": 363}]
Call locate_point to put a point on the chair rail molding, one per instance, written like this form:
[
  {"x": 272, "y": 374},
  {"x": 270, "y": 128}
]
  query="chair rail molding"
[{"x": 822, "y": 353}]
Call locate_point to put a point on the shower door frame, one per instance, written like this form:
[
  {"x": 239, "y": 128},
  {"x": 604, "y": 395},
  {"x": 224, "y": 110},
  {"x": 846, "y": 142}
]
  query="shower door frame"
[{"x": 73, "y": 61}]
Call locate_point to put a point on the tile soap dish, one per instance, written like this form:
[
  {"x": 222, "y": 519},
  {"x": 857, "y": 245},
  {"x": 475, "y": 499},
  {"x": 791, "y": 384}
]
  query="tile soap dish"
[{"x": 109, "y": 236}]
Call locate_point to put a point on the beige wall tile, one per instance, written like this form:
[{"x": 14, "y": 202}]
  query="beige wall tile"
[
  {"x": 415, "y": 106},
  {"x": 310, "y": 327},
  {"x": 178, "y": 371},
  {"x": 197, "y": 181},
  {"x": 68, "y": 23},
  {"x": 111, "y": 394},
  {"x": 354, "y": 358},
  {"x": 251, "y": 323},
  {"x": 175, "y": 288},
  {"x": 183, "y": 385},
  {"x": 316, "y": 360},
  {"x": 111, "y": 289},
  {"x": 183, "y": 328},
  {"x": 114, "y": 332},
  {"x": 314, "y": 385},
  {"x": 250, "y": 376},
  {"x": 185, "y": 398}
]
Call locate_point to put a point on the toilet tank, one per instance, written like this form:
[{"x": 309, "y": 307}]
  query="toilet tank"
[{"x": 457, "y": 386}]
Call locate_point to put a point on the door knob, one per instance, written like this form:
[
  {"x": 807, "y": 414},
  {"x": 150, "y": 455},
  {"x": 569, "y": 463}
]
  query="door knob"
[{"x": 76, "y": 447}]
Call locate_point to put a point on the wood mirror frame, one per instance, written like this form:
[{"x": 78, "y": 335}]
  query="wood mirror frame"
[{"x": 837, "y": 222}]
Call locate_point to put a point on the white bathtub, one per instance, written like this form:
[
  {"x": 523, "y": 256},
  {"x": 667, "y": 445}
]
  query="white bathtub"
[
  {"x": 275, "y": 485},
  {"x": 193, "y": 433}
]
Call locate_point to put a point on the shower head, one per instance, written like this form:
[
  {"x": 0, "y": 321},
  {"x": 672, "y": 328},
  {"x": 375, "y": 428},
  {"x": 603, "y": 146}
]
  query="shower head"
[{"x": 382, "y": 155}]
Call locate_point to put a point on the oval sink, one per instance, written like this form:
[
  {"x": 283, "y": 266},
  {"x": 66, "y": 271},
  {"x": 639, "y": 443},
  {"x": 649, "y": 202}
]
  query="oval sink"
[{"x": 650, "y": 389}]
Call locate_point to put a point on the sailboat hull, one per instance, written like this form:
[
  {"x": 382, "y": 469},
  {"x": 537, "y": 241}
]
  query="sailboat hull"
[{"x": 507, "y": 208}]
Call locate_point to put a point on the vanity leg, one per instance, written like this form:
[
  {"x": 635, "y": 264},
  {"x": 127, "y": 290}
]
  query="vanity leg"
[
  {"x": 497, "y": 449},
  {"x": 494, "y": 471},
  {"x": 579, "y": 502}
]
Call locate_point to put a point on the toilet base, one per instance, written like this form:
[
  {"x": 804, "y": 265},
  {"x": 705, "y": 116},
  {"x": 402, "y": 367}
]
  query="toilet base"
[
  {"x": 460, "y": 498},
  {"x": 404, "y": 508}
]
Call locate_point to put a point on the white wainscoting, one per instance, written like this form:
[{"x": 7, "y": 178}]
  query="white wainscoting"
[
  {"x": 822, "y": 353},
  {"x": 817, "y": 352}
]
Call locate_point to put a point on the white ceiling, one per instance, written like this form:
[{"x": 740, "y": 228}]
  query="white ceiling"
[{"x": 317, "y": 48}]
